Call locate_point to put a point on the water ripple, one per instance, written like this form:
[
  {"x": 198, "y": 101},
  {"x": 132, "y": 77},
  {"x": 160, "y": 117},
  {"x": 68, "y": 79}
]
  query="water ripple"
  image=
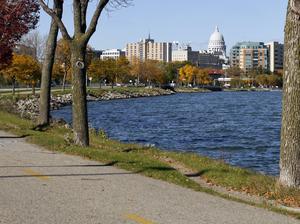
[{"x": 242, "y": 128}]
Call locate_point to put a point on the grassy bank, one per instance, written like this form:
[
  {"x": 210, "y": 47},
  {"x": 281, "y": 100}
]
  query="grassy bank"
[
  {"x": 153, "y": 162},
  {"x": 138, "y": 91}
]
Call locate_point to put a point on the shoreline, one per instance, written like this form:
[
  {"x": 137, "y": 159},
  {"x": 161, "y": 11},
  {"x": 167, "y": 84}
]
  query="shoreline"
[
  {"x": 28, "y": 106},
  {"x": 185, "y": 169}
]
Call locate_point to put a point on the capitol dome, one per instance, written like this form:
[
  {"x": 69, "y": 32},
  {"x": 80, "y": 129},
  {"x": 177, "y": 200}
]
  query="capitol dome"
[{"x": 216, "y": 43}]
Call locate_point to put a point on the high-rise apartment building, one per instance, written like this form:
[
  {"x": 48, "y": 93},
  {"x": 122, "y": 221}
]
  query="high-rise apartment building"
[
  {"x": 148, "y": 49},
  {"x": 235, "y": 55},
  {"x": 249, "y": 55},
  {"x": 276, "y": 56},
  {"x": 253, "y": 55}
]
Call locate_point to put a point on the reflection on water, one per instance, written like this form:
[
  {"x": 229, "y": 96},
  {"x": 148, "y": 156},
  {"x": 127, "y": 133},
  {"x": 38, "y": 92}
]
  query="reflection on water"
[{"x": 242, "y": 128}]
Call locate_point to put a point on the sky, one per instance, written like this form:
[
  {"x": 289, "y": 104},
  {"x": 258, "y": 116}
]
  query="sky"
[{"x": 189, "y": 21}]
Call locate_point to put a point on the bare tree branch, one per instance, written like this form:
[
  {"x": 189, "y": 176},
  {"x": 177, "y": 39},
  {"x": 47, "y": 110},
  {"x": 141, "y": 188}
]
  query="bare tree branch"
[
  {"x": 113, "y": 4},
  {"x": 93, "y": 24},
  {"x": 84, "y": 7},
  {"x": 117, "y": 4},
  {"x": 36, "y": 43},
  {"x": 77, "y": 16},
  {"x": 59, "y": 22}
]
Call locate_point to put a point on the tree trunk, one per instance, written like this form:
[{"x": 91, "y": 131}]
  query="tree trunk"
[
  {"x": 290, "y": 131},
  {"x": 79, "y": 107},
  {"x": 14, "y": 86},
  {"x": 45, "y": 93},
  {"x": 33, "y": 88},
  {"x": 78, "y": 44}
]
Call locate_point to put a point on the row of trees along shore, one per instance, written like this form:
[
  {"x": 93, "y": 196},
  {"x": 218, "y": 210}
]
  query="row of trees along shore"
[
  {"x": 22, "y": 16},
  {"x": 257, "y": 77},
  {"x": 26, "y": 70}
]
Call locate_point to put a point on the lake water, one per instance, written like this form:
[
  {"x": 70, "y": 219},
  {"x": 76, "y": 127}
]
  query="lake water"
[{"x": 242, "y": 128}]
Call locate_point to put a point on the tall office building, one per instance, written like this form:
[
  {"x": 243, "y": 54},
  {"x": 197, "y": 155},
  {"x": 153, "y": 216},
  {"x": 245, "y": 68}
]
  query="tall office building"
[
  {"x": 276, "y": 56},
  {"x": 148, "y": 49}
]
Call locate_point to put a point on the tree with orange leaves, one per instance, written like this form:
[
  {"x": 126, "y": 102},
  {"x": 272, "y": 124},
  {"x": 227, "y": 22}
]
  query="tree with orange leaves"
[
  {"x": 24, "y": 69},
  {"x": 202, "y": 76},
  {"x": 187, "y": 74}
]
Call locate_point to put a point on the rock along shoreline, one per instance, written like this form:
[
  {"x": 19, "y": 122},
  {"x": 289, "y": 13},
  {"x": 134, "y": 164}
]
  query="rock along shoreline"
[{"x": 29, "y": 107}]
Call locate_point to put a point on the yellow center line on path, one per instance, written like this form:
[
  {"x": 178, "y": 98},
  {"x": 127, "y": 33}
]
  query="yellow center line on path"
[
  {"x": 35, "y": 174},
  {"x": 138, "y": 219}
]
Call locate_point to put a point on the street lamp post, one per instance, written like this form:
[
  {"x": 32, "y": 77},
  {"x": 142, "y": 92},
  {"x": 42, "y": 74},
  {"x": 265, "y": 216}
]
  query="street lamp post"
[{"x": 90, "y": 78}]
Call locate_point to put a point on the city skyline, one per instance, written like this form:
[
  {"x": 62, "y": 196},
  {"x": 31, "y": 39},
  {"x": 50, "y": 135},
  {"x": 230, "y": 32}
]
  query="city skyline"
[{"x": 193, "y": 24}]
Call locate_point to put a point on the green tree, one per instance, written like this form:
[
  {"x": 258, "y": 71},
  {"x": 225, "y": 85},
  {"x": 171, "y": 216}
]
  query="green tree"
[{"x": 171, "y": 71}]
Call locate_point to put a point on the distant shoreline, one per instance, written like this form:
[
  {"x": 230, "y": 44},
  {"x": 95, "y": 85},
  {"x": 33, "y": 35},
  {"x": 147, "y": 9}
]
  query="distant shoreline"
[{"x": 28, "y": 105}]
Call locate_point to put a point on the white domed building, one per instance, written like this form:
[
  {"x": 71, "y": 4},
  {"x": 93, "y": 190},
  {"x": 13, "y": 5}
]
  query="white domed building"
[{"x": 216, "y": 43}]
